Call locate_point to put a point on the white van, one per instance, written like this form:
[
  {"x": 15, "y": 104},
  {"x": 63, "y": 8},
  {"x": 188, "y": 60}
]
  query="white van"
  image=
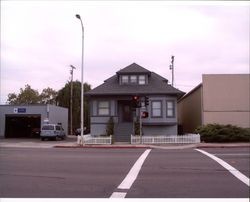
[{"x": 52, "y": 131}]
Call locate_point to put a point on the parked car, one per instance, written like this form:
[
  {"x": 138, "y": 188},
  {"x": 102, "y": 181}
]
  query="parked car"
[
  {"x": 78, "y": 131},
  {"x": 52, "y": 131}
]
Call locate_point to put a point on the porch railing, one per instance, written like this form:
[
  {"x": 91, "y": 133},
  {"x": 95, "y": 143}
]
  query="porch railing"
[
  {"x": 88, "y": 139},
  {"x": 183, "y": 139}
]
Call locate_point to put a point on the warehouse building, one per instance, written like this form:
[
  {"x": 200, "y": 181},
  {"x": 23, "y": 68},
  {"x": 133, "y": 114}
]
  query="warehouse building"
[
  {"x": 25, "y": 121},
  {"x": 220, "y": 98}
]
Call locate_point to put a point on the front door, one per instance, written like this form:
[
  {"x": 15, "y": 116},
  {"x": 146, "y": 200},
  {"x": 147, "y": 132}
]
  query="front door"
[{"x": 126, "y": 113}]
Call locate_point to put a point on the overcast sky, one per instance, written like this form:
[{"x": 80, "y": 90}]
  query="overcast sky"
[{"x": 41, "y": 39}]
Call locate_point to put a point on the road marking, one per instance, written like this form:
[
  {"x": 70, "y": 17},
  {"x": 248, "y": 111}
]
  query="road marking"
[
  {"x": 131, "y": 176},
  {"x": 118, "y": 195},
  {"x": 230, "y": 168}
]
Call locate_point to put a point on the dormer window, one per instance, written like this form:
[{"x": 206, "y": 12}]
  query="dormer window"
[
  {"x": 125, "y": 79},
  {"x": 133, "y": 79},
  {"x": 142, "y": 79}
]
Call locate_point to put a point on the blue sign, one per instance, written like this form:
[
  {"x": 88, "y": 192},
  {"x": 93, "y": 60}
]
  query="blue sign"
[{"x": 21, "y": 110}]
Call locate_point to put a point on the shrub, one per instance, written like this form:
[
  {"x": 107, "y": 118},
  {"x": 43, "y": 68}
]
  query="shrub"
[
  {"x": 137, "y": 127},
  {"x": 223, "y": 133},
  {"x": 110, "y": 127}
]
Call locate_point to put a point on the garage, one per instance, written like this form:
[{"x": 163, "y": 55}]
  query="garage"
[
  {"x": 25, "y": 121},
  {"x": 23, "y": 126}
]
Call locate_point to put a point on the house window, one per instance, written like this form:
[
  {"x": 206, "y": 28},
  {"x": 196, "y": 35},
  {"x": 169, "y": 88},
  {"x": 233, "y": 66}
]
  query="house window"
[
  {"x": 142, "y": 79},
  {"x": 170, "y": 109},
  {"x": 133, "y": 79},
  {"x": 156, "y": 109},
  {"x": 103, "y": 108},
  {"x": 124, "y": 79}
]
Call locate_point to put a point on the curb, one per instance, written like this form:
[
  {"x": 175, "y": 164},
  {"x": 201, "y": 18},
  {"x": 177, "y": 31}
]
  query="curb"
[
  {"x": 190, "y": 146},
  {"x": 103, "y": 147},
  {"x": 223, "y": 146}
]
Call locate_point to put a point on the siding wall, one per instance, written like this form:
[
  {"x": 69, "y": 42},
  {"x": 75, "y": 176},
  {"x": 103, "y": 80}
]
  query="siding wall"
[
  {"x": 226, "y": 99},
  {"x": 59, "y": 115},
  {"x": 159, "y": 130},
  {"x": 190, "y": 110}
]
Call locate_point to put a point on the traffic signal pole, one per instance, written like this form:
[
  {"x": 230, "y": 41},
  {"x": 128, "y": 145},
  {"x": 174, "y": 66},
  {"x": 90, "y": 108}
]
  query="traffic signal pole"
[
  {"x": 137, "y": 103},
  {"x": 140, "y": 125}
]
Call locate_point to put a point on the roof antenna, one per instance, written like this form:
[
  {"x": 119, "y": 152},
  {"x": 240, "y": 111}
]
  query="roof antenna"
[{"x": 171, "y": 67}]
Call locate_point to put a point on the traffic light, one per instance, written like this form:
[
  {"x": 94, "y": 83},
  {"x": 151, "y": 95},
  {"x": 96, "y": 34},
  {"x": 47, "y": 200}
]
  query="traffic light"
[
  {"x": 136, "y": 103},
  {"x": 146, "y": 101},
  {"x": 144, "y": 114}
]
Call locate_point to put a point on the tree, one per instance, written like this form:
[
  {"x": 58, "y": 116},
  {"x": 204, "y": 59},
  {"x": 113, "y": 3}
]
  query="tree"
[
  {"x": 26, "y": 96},
  {"x": 63, "y": 100},
  {"x": 48, "y": 96}
]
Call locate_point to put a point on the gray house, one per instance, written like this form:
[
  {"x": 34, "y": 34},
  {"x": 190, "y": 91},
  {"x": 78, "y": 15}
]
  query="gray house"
[{"x": 113, "y": 98}]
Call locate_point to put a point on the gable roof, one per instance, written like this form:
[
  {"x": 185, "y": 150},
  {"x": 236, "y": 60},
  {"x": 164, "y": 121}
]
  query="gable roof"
[
  {"x": 133, "y": 69},
  {"x": 157, "y": 85}
]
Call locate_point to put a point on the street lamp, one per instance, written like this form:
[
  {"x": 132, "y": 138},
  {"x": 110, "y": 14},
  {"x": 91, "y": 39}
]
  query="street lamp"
[
  {"x": 71, "y": 94},
  {"x": 82, "y": 87}
]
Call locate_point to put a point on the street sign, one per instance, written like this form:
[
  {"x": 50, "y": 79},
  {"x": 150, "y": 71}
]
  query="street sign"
[{"x": 19, "y": 110}]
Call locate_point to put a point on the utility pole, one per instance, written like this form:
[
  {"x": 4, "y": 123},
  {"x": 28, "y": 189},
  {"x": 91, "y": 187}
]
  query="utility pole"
[
  {"x": 71, "y": 94},
  {"x": 171, "y": 67}
]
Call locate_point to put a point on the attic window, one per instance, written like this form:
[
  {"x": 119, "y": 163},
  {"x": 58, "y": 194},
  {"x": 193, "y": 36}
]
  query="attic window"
[
  {"x": 133, "y": 79},
  {"x": 124, "y": 79},
  {"x": 142, "y": 79}
]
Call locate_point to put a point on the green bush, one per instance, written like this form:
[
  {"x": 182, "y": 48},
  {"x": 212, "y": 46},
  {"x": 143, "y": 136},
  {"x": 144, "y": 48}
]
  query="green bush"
[
  {"x": 110, "y": 127},
  {"x": 137, "y": 127},
  {"x": 223, "y": 133}
]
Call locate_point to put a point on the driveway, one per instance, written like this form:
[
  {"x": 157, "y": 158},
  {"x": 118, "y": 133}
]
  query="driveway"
[{"x": 36, "y": 143}]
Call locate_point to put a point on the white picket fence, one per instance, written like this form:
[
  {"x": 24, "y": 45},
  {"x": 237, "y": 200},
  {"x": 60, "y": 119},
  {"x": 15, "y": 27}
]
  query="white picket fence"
[
  {"x": 183, "y": 139},
  {"x": 88, "y": 139}
]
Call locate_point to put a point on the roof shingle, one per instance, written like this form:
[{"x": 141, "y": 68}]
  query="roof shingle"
[{"x": 156, "y": 84}]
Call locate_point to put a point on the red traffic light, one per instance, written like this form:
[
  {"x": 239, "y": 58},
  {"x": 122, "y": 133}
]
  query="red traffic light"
[
  {"x": 135, "y": 97},
  {"x": 144, "y": 114}
]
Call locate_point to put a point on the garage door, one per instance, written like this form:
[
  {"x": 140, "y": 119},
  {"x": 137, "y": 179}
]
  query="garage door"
[{"x": 17, "y": 126}]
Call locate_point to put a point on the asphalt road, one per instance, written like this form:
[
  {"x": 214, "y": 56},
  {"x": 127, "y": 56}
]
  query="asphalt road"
[{"x": 96, "y": 173}]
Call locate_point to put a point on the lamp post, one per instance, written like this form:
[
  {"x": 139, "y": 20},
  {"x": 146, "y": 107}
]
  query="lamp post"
[
  {"x": 71, "y": 95},
  {"x": 171, "y": 67},
  {"x": 82, "y": 87}
]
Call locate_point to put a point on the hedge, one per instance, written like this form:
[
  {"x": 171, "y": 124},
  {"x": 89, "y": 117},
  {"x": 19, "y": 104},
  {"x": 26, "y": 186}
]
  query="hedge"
[{"x": 223, "y": 133}]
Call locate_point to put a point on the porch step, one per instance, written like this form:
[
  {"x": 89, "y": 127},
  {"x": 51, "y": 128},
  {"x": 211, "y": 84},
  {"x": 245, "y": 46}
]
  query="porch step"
[{"x": 122, "y": 132}]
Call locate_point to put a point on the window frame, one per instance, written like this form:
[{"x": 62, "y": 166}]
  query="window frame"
[
  {"x": 142, "y": 75},
  {"x": 122, "y": 81},
  {"x": 152, "y": 109},
  {"x": 136, "y": 79},
  {"x": 98, "y": 108},
  {"x": 168, "y": 108}
]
